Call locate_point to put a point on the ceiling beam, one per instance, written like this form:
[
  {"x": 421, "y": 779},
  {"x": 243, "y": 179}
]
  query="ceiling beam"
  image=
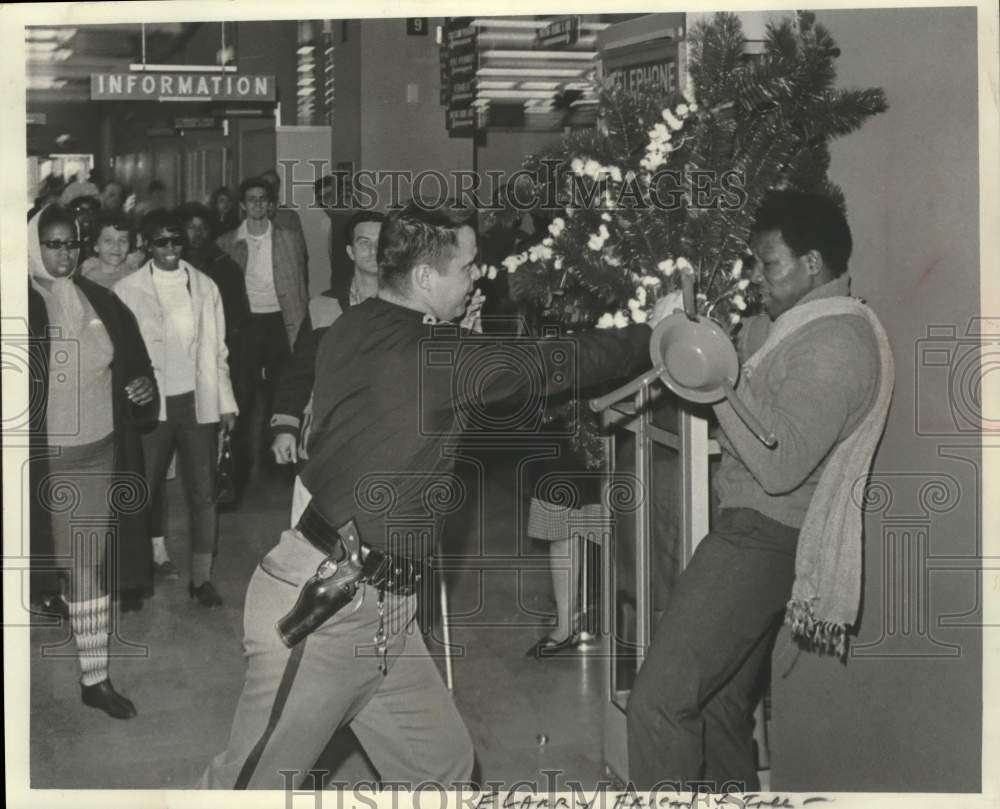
[
  {"x": 77, "y": 68},
  {"x": 59, "y": 96}
]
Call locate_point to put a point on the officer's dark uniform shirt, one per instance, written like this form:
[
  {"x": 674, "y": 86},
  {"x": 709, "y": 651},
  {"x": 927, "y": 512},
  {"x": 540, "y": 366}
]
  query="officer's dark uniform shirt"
[{"x": 392, "y": 391}]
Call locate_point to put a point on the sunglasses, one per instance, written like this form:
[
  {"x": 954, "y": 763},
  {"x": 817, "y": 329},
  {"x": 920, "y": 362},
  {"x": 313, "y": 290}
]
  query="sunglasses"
[
  {"x": 59, "y": 244},
  {"x": 163, "y": 241}
]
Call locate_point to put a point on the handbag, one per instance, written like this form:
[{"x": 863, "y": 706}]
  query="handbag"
[{"x": 225, "y": 485}]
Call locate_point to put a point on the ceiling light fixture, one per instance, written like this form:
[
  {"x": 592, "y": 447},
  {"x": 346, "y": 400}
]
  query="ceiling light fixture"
[
  {"x": 57, "y": 34},
  {"x": 45, "y": 83}
]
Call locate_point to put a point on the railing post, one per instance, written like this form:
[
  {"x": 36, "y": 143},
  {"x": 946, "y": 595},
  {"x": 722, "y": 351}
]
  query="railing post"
[{"x": 695, "y": 484}]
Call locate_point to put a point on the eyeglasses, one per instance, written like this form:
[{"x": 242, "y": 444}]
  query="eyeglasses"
[
  {"x": 163, "y": 241},
  {"x": 59, "y": 244}
]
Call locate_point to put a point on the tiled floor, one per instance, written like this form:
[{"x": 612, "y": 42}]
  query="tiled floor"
[{"x": 182, "y": 665}]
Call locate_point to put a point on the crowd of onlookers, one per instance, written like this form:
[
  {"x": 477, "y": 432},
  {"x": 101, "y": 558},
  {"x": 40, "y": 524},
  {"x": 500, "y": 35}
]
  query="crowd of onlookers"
[
  {"x": 154, "y": 330},
  {"x": 194, "y": 327},
  {"x": 114, "y": 197}
]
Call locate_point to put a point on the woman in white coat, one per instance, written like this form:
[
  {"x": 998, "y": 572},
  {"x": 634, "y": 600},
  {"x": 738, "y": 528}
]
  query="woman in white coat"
[{"x": 180, "y": 315}]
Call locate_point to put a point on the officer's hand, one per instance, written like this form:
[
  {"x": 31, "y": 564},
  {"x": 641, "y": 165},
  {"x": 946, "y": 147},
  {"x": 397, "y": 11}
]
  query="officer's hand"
[
  {"x": 473, "y": 313},
  {"x": 283, "y": 448}
]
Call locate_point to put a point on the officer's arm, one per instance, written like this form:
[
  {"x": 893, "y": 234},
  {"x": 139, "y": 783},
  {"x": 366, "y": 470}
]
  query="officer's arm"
[
  {"x": 495, "y": 370},
  {"x": 294, "y": 385}
]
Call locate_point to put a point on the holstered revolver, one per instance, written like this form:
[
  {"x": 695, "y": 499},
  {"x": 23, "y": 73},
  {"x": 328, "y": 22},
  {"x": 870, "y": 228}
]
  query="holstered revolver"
[{"x": 332, "y": 587}]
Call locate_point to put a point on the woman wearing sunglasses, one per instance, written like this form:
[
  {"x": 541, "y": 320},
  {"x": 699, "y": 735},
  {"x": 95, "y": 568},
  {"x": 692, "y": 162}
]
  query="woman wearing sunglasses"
[
  {"x": 180, "y": 314},
  {"x": 93, "y": 390}
]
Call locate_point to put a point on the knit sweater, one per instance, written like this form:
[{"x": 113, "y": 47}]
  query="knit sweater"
[{"x": 811, "y": 393}]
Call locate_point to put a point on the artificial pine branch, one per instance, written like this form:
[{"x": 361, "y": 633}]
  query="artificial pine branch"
[{"x": 768, "y": 117}]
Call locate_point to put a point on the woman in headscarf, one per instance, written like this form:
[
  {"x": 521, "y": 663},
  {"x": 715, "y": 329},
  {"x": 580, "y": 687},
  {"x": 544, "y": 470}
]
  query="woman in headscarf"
[{"x": 93, "y": 391}]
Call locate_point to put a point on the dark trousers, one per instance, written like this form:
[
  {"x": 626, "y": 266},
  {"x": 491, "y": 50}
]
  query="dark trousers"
[
  {"x": 197, "y": 448},
  {"x": 264, "y": 353},
  {"x": 690, "y": 714}
]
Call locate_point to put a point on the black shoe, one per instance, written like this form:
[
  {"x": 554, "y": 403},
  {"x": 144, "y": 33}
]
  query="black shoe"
[
  {"x": 54, "y": 606},
  {"x": 104, "y": 697},
  {"x": 547, "y": 647},
  {"x": 166, "y": 570},
  {"x": 206, "y": 594}
]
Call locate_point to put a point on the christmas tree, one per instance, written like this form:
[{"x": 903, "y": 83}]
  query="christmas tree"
[{"x": 668, "y": 184}]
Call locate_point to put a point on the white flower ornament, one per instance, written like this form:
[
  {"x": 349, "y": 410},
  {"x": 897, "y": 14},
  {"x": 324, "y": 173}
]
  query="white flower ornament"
[{"x": 667, "y": 267}]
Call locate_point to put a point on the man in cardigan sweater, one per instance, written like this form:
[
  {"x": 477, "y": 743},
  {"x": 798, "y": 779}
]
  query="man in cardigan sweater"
[
  {"x": 274, "y": 268},
  {"x": 690, "y": 712},
  {"x": 284, "y": 216}
]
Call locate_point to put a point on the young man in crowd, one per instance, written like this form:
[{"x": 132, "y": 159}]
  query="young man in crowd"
[
  {"x": 273, "y": 264},
  {"x": 113, "y": 196},
  {"x": 284, "y": 216}
]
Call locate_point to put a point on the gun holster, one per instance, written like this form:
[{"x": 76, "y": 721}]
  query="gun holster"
[{"x": 331, "y": 588}]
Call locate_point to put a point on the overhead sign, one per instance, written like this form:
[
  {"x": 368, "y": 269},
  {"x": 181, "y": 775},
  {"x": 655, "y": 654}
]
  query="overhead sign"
[
  {"x": 462, "y": 121},
  {"x": 463, "y": 93},
  {"x": 459, "y": 55},
  {"x": 561, "y": 32},
  {"x": 416, "y": 26},
  {"x": 463, "y": 36},
  {"x": 463, "y": 63},
  {"x": 661, "y": 72},
  {"x": 644, "y": 51},
  {"x": 179, "y": 86}
]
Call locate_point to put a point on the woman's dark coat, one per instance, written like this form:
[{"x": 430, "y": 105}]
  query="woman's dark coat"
[{"x": 131, "y": 554}]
